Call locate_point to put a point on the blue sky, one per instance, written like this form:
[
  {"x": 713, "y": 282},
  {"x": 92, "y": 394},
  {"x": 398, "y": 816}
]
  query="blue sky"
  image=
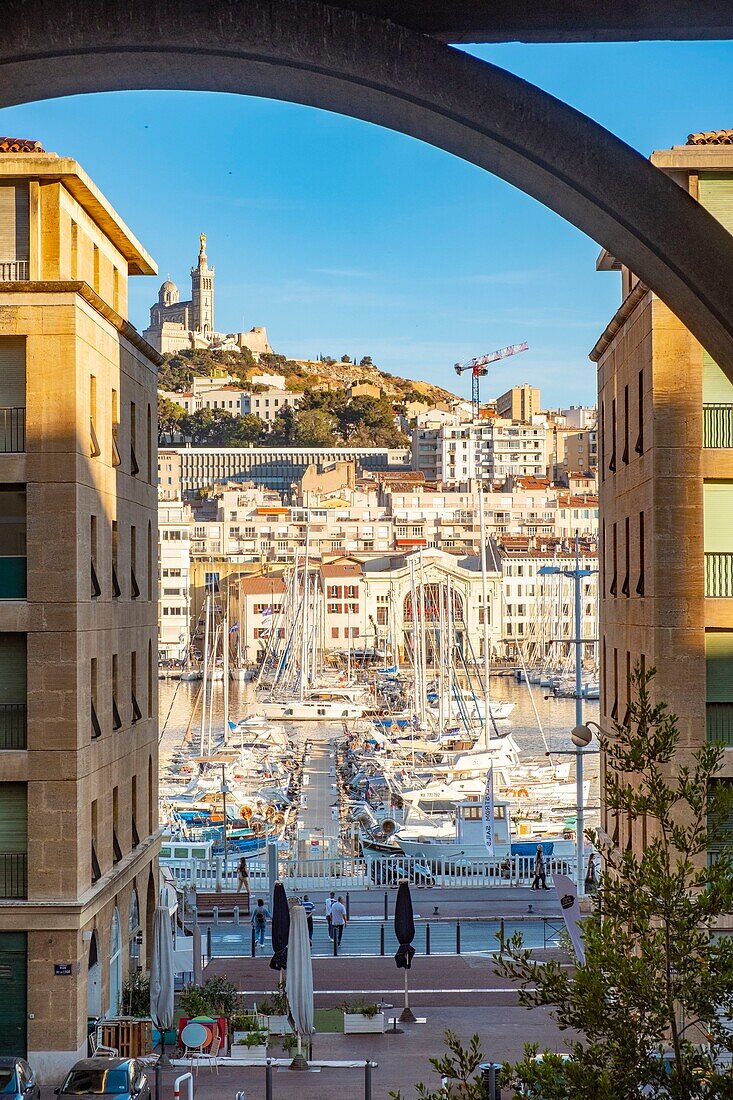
[{"x": 342, "y": 237}]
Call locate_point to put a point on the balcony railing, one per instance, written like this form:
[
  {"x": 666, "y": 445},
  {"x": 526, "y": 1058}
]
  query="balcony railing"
[
  {"x": 12, "y": 430},
  {"x": 13, "y": 726},
  {"x": 13, "y": 875},
  {"x": 717, "y": 425},
  {"x": 719, "y": 722},
  {"x": 719, "y": 575},
  {"x": 13, "y": 271},
  {"x": 12, "y": 578}
]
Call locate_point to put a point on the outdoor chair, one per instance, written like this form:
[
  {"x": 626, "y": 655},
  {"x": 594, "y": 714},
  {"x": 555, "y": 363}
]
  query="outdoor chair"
[
  {"x": 97, "y": 1047},
  {"x": 211, "y": 1055}
]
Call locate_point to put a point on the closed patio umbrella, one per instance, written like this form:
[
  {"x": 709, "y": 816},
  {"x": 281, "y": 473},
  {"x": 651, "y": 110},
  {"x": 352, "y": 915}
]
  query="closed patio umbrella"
[
  {"x": 299, "y": 981},
  {"x": 280, "y": 928},
  {"x": 404, "y": 930},
  {"x": 162, "y": 982}
]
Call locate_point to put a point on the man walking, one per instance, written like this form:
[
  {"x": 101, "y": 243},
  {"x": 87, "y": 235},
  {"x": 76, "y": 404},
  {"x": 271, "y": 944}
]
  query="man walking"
[
  {"x": 338, "y": 919},
  {"x": 539, "y": 871},
  {"x": 329, "y": 905},
  {"x": 309, "y": 907},
  {"x": 259, "y": 921}
]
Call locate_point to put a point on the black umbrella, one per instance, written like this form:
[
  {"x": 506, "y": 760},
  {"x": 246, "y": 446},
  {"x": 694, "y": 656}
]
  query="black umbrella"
[
  {"x": 280, "y": 928},
  {"x": 404, "y": 930}
]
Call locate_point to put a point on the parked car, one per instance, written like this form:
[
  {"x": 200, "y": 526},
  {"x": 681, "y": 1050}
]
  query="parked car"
[
  {"x": 124, "y": 1078},
  {"x": 17, "y": 1080}
]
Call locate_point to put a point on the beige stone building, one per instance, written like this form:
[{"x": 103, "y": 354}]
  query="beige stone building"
[
  {"x": 665, "y": 441},
  {"x": 520, "y": 403},
  {"x": 78, "y": 700}
]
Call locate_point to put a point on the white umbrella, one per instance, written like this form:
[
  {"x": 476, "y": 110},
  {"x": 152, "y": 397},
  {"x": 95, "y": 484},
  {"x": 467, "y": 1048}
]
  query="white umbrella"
[
  {"x": 299, "y": 981},
  {"x": 162, "y": 974}
]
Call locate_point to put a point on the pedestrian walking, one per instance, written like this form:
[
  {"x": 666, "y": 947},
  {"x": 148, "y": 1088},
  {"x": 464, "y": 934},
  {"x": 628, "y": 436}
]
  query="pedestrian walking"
[
  {"x": 309, "y": 907},
  {"x": 329, "y": 905},
  {"x": 260, "y": 917},
  {"x": 590, "y": 876},
  {"x": 242, "y": 876},
  {"x": 539, "y": 871},
  {"x": 338, "y": 919}
]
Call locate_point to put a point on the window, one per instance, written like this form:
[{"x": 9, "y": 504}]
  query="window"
[
  {"x": 12, "y": 393},
  {"x": 116, "y": 720},
  {"x": 133, "y": 813},
  {"x": 74, "y": 250},
  {"x": 626, "y": 586},
  {"x": 612, "y": 463},
  {"x": 334, "y": 632},
  {"x": 640, "y": 582},
  {"x": 136, "y": 712},
  {"x": 14, "y": 232},
  {"x": 116, "y": 460},
  {"x": 96, "y": 590},
  {"x": 640, "y": 401},
  {"x": 614, "y": 708},
  {"x": 12, "y": 543},
  {"x": 134, "y": 586},
  {"x": 614, "y": 583},
  {"x": 94, "y": 449},
  {"x": 625, "y": 455},
  {"x": 95, "y": 269},
  {"x": 96, "y": 728},
  {"x": 116, "y": 849},
  {"x": 134, "y": 466},
  {"x": 149, "y": 446},
  {"x": 115, "y": 290},
  {"x": 116, "y": 590},
  {"x": 96, "y": 870},
  {"x": 149, "y": 572}
]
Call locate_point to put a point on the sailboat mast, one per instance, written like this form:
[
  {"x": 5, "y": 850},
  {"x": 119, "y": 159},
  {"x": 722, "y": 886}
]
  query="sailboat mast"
[
  {"x": 225, "y": 653},
  {"x": 206, "y": 663},
  {"x": 304, "y": 617}
]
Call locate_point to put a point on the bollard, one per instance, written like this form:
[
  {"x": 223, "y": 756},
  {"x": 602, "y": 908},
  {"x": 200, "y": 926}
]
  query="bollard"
[
  {"x": 458, "y": 937},
  {"x": 215, "y": 916},
  {"x": 254, "y": 951},
  {"x": 427, "y": 939},
  {"x": 490, "y": 1080},
  {"x": 208, "y": 944},
  {"x": 236, "y": 916},
  {"x": 268, "y": 1080},
  {"x": 386, "y": 900},
  {"x": 502, "y": 938},
  {"x": 368, "y": 1080},
  {"x": 381, "y": 939},
  {"x": 348, "y": 906}
]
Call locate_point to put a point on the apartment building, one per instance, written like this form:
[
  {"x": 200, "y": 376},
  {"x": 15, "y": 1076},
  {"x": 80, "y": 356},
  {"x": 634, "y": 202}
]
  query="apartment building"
[
  {"x": 268, "y": 404},
  {"x": 520, "y": 403},
  {"x": 490, "y": 450},
  {"x": 78, "y": 591},
  {"x": 666, "y": 493},
  {"x": 174, "y": 565}
]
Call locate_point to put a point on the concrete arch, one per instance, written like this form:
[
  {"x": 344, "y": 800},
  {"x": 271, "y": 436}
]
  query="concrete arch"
[{"x": 358, "y": 65}]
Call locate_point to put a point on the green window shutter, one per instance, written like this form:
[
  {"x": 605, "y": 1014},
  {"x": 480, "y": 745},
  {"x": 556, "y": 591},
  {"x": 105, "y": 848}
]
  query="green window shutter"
[
  {"x": 717, "y": 389},
  {"x": 716, "y": 195},
  {"x": 12, "y": 372},
  {"x": 14, "y": 232},
  {"x": 719, "y": 666},
  {"x": 13, "y": 993},
  {"x": 718, "y": 517},
  {"x": 13, "y": 817},
  {"x": 13, "y": 668}
]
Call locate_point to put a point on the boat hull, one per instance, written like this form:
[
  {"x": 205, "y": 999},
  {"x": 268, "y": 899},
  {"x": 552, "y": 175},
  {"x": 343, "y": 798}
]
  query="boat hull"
[{"x": 339, "y": 711}]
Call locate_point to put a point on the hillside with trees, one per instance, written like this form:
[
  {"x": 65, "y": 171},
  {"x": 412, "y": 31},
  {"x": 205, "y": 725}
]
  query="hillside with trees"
[{"x": 326, "y": 416}]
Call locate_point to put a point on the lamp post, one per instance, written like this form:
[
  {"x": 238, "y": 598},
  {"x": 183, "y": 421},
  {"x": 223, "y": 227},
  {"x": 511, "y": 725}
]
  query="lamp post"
[
  {"x": 576, "y": 575},
  {"x": 224, "y": 791}
]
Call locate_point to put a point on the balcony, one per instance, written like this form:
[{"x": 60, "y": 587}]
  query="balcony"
[
  {"x": 13, "y": 875},
  {"x": 719, "y": 575},
  {"x": 719, "y": 723},
  {"x": 12, "y": 430},
  {"x": 13, "y": 726},
  {"x": 717, "y": 425},
  {"x": 13, "y": 271}
]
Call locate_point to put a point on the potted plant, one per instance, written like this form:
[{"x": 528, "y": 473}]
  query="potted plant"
[
  {"x": 362, "y": 1018},
  {"x": 253, "y": 1046},
  {"x": 245, "y": 1024},
  {"x": 275, "y": 1009},
  {"x": 217, "y": 997}
]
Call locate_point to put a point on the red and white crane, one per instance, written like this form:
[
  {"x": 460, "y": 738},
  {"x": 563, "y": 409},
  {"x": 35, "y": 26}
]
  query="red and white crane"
[{"x": 479, "y": 369}]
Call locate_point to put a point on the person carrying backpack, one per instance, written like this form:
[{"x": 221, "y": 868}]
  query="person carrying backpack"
[{"x": 260, "y": 916}]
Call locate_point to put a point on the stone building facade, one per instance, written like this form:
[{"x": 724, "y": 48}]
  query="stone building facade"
[
  {"x": 665, "y": 443},
  {"x": 78, "y": 699}
]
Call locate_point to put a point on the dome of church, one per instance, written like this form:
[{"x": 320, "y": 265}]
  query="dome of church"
[{"x": 168, "y": 293}]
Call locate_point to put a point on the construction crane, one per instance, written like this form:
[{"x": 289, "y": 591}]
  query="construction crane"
[{"x": 479, "y": 369}]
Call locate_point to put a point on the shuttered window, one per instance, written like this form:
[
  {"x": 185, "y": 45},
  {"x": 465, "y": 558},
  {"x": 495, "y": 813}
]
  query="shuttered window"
[
  {"x": 12, "y": 372},
  {"x": 716, "y": 195},
  {"x": 718, "y": 517},
  {"x": 13, "y": 817},
  {"x": 13, "y": 995},
  {"x": 14, "y": 234},
  {"x": 716, "y": 387},
  {"x": 719, "y": 666},
  {"x": 13, "y": 668}
]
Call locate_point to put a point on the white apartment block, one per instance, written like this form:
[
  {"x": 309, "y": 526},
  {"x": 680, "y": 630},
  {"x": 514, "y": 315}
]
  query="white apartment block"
[
  {"x": 268, "y": 404},
  {"x": 174, "y": 563},
  {"x": 488, "y": 450}
]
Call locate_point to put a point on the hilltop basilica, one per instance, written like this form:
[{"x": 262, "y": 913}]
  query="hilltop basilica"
[{"x": 175, "y": 325}]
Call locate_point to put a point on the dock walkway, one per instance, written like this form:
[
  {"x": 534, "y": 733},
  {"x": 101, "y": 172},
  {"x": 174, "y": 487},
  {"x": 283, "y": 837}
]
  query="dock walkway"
[{"x": 318, "y": 811}]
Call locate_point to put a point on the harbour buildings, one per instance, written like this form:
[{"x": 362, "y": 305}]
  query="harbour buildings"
[
  {"x": 78, "y": 700},
  {"x": 666, "y": 494}
]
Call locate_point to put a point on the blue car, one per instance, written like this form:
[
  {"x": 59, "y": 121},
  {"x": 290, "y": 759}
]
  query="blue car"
[
  {"x": 124, "y": 1078},
  {"x": 17, "y": 1080}
]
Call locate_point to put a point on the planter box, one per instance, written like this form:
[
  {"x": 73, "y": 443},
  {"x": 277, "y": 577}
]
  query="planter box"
[
  {"x": 278, "y": 1025},
  {"x": 356, "y": 1023},
  {"x": 250, "y": 1054}
]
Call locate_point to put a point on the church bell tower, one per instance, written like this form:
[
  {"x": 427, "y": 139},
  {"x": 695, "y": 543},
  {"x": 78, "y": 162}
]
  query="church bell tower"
[{"x": 202, "y": 292}]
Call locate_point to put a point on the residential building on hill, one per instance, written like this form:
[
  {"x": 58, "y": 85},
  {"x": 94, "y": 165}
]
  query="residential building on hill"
[
  {"x": 666, "y": 492},
  {"x": 78, "y": 693}
]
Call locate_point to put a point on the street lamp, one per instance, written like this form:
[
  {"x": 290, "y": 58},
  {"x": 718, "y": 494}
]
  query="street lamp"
[
  {"x": 224, "y": 791},
  {"x": 581, "y": 734}
]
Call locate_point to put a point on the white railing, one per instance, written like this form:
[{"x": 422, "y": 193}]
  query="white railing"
[
  {"x": 13, "y": 271},
  {"x": 356, "y": 873}
]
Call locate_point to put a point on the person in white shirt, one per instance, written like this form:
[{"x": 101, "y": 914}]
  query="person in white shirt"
[
  {"x": 329, "y": 904},
  {"x": 338, "y": 919}
]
